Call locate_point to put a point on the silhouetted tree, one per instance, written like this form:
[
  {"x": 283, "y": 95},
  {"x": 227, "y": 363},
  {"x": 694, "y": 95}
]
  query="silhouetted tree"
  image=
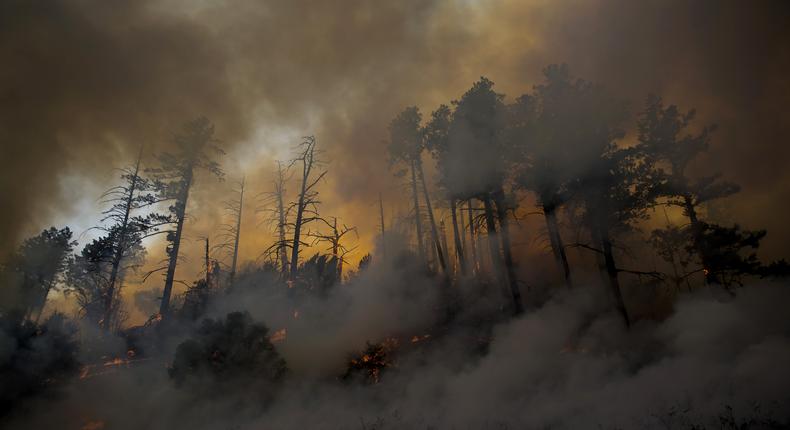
[
  {"x": 89, "y": 276},
  {"x": 34, "y": 270},
  {"x": 474, "y": 164},
  {"x": 543, "y": 127},
  {"x": 125, "y": 231},
  {"x": 334, "y": 239},
  {"x": 231, "y": 233},
  {"x": 406, "y": 145},
  {"x": 273, "y": 204},
  {"x": 667, "y": 144},
  {"x": 193, "y": 145},
  {"x": 306, "y": 206},
  {"x": 613, "y": 183},
  {"x": 437, "y": 141}
]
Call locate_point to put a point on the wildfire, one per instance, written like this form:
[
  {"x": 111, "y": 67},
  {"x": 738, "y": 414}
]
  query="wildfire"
[
  {"x": 416, "y": 339},
  {"x": 278, "y": 336},
  {"x": 93, "y": 425},
  {"x": 108, "y": 366}
]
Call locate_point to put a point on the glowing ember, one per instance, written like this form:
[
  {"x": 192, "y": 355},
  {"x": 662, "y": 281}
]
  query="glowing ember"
[
  {"x": 416, "y": 339},
  {"x": 93, "y": 425},
  {"x": 278, "y": 336}
]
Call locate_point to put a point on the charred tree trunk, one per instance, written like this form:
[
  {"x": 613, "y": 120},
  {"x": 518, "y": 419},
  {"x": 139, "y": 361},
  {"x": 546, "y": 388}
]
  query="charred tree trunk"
[
  {"x": 434, "y": 230},
  {"x": 510, "y": 270},
  {"x": 443, "y": 237},
  {"x": 336, "y": 250},
  {"x": 711, "y": 277},
  {"x": 383, "y": 229},
  {"x": 208, "y": 265},
  {"x": 121, "y": 245},
  {"x": 236, "y": 239},
  {"x": 557, "y": 247},
  {"x": 472, "y": 241},
  {"x": 493, "y": 246},
  {"x": 459, "y": 250},
  {"x": 612, "y": 273},
  {"x": 417, "y": 216},
  {"x": 181, "y": 208},
  {"x": 280, "y": 190},
  {"x": 298, "y": 229}
]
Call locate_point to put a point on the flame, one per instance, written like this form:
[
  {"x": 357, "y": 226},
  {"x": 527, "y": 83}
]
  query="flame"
[
  {"x": 278, "y": 336},
  {"x": 296, "y": 314},
  {"x": 416, "y": 339},
  {"x": 93, "y": 425}
]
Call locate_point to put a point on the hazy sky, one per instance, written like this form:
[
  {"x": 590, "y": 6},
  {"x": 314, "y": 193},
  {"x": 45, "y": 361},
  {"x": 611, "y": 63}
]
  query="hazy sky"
[{"x": 85, "y": 83}]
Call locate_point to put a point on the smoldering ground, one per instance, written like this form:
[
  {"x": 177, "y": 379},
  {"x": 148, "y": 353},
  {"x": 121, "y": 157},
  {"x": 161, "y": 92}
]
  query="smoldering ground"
[{"x": 568, "y": 363}]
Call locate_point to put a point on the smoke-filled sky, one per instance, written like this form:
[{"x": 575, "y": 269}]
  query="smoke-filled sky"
[{"x": 84, "y": 83}]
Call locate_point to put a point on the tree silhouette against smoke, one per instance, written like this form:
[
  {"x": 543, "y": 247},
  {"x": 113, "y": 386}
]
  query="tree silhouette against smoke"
[
  {"x": 231, "y": 233},
  {"x": 194, "y": 144},
  {"x": 612, "y": 184},
  {"x": 406, "y": 145},
  {"x": 436, "y": 141},
  {"x": 306, "y": 206},
  {"x": 33, "y": 271},
  {"x": 334, "y": 240},
  {"x": 545, "y": 147},
  {"x": 474, "y": 164},
  {"x": 666, "y": 143},
  {"x": 272, "y": 203},
  {"x": 88, "y": 278},
  {"x": 123, "y": 237}
]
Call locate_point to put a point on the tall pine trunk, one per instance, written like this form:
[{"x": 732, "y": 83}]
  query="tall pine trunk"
[
  {"x": 557, "y": 246},
  {"x": 181, "y": 209},
  {"x": 472, "y": 241},
  {"x": 493, "y": 246},
  {"x": 121, "y": 245},
  {"x": 383, "y": 229},
  {"x": 298, "y": 231},
  {"x": 510, "y": 270},
  {"x": 236, "y": 239},
  {"x": 612, "y": 273},
  {"x": 696, "y": 230},
  {"x": 282, "y": 251},
  {"x": 459, "y": 250},
  {"x": 417, "y": 216},
  {"x": 434, "y": 230}
]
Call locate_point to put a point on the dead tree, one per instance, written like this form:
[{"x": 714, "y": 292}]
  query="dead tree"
[
  {"x": 231, "y": 232},
  {"x": 335, "y": 240},
  {"x": 175, "y": 178},
  {"x": 306, "y": 205},
  {"x": 383, "y": 228},
  {"x": 272, "y": 203}
]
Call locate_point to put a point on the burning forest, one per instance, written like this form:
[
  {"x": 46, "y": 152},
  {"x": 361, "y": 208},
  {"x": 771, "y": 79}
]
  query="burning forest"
[{"x": 427, "y": 215}]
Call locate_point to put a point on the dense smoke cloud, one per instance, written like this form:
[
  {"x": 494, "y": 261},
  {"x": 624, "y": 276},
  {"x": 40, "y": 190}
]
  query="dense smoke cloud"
[{"x": 85, "y": 83}]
